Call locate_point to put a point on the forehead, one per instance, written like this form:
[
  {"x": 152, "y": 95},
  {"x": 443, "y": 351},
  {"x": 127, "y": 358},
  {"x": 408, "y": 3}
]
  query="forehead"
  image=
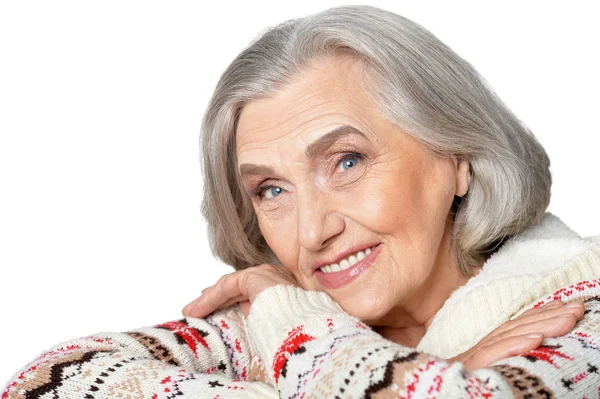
[{"x": 327, "y": 94}]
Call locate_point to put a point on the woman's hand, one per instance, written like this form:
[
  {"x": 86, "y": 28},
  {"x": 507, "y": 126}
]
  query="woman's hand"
[
  {"x": 513, "y": 338},
  {"x": 240, "y": 286},
  {"x": 523, "y": 334}
]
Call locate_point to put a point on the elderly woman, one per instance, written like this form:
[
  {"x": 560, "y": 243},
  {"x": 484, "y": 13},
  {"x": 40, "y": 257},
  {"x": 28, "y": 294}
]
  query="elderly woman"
[{"x": 386, "y": 214}]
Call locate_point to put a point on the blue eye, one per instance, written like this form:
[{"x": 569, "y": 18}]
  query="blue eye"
[
  {"x": 350, "y": 161},
  {"x": 273, "y": 191}
]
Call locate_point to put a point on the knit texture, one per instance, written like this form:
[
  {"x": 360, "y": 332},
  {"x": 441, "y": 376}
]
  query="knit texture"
[
  {"x": 300, "y": 344},
  {"x": 336, "y": 356},
  {"x": 541, "y": 260},
  {"x": 190, "y": 358}
]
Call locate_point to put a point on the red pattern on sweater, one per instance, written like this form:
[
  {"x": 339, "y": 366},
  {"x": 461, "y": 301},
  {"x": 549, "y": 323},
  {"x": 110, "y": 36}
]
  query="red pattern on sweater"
[
  {"x": 190, "y": 335},
  {"x": 295, "y": 339}
]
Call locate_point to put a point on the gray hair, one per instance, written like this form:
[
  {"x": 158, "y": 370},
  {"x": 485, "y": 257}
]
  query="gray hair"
[{"x": 421, "y": 86}]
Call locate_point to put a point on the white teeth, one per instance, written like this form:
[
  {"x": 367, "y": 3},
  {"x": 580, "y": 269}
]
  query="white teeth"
[{"x": 346, "y": 263}]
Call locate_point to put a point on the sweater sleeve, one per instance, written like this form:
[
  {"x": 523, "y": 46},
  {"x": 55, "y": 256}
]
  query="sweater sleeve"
[
  {"x": 186, "y": 358},
  {"x": 313, "y": 349}
]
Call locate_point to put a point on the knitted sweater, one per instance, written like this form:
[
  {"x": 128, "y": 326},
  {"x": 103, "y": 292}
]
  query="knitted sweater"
[{"x": 300, "y": 344}]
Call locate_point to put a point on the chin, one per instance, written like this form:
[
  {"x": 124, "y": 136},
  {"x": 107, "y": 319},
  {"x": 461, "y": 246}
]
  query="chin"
[{"x": 367, "y": 306}]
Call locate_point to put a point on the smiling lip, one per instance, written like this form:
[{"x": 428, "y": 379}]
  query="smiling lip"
[
  {"x": 343, "y": 255},
  {"x": 341, "y": 278}
]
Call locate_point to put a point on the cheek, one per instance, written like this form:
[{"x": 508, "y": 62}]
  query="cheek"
[
  {"x": 385, "y": 201},
  {"x": 280, "y": 234},
  {"x": 416, "y": 197}
]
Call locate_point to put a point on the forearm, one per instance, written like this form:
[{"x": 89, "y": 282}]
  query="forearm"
[
  {"x": 323, "y": 351},
  {"x": 189, "y": 358}
]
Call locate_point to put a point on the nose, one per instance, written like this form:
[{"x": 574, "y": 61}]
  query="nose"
[{"x": 317, "y": 220}]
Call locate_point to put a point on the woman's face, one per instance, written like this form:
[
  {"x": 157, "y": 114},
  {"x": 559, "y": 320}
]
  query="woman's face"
[{"x": 330, "y": 177}]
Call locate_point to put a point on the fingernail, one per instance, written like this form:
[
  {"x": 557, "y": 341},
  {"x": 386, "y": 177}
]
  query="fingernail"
[{"x": 534, "y": 336}]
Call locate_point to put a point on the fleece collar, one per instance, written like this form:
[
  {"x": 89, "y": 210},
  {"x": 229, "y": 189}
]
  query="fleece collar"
[{"x": 530, "y": 265}]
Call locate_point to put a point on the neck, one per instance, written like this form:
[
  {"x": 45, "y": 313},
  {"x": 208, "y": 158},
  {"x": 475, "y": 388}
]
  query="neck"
[{"x": 408, "y": 322}]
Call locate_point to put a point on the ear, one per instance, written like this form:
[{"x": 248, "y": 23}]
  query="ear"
[{"x": 463, "y": 177}]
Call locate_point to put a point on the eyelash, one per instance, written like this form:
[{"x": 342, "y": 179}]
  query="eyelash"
[{"x": 258, "y": 192}]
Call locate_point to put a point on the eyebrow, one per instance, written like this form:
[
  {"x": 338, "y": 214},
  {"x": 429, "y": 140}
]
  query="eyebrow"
[{"x": 316, "y": 147}]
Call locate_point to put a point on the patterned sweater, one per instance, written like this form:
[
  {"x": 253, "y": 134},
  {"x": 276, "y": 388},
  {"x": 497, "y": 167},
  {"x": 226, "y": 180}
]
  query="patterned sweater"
[{"x": 300, "y": 344}]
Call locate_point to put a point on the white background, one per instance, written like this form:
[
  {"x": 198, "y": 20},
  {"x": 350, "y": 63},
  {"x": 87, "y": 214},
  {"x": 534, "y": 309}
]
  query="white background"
[{"x": 100, "y": 109}]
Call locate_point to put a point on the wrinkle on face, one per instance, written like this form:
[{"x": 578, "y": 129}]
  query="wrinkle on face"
[{"x": 399, "y": 194}]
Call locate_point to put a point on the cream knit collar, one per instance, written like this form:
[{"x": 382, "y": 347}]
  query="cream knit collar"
[{"x": 529, "y": 266}]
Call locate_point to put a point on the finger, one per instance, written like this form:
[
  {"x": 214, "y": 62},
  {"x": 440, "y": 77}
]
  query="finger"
[
  {"x": 190, "y": 311},
  {"x": 245, "y": 307},
  {"x": 562, "y": 308},
  {"x": 576, "y": 308},
  {"x": 550, "y": 328},
  {"x": 241, "y": 298},
  {"x": 203, "y": 306},
  {"x": 512, "y": 346},
  {"x": 186, "y": 309},
  {"x": 548, "y": 313},
  {"x": 544, "y": 307},
  {"x": 223, "y": 293}
]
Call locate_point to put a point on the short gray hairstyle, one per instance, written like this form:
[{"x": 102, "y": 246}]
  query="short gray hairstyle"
[{"x": 421, "y": 86}]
